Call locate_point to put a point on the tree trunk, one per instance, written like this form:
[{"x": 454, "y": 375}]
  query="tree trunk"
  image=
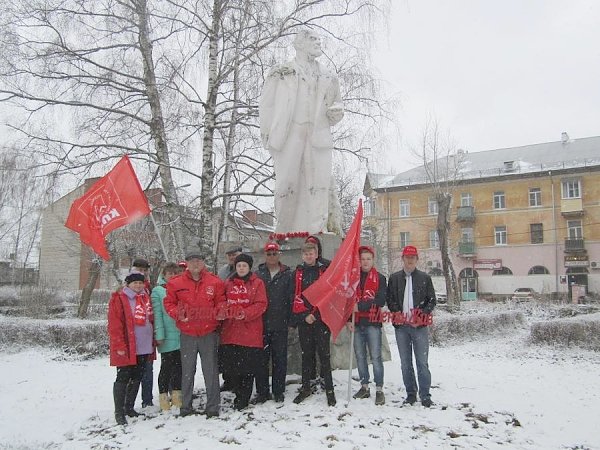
[
  {"x": 86, "y": 293},
  {"x": 443, "y": 227},
  {"x": 158, "y": 133},
  {"x": 206, "y": 243}
]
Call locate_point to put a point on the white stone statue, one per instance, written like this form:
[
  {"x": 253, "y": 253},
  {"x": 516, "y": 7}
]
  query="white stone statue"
[{"x": 300, "y": 102}]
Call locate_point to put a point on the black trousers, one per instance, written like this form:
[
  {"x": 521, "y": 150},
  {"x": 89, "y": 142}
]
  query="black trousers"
[
  {"x": 133, "y": 372},
  {"x": 314, "y": 340},
  {"x": 169, "y": 377},
  {"x": 241, "y": 365},
  {"x": 275, "y": 357}
]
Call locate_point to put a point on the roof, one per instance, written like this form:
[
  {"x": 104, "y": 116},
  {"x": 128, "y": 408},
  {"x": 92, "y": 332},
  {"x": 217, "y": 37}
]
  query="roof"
[{"x": 572, "y": 153}]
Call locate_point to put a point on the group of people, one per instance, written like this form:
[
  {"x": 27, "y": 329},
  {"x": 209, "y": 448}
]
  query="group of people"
[{"x": 238, "y": 324}]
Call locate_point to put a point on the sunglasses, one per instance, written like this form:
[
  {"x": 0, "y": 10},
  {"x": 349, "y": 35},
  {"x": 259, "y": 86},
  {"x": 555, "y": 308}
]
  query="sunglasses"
[{"x": 271, "y": 253}]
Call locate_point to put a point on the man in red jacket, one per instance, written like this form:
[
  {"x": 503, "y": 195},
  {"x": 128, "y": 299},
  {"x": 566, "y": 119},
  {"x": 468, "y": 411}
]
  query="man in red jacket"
[{"x": 193, "y": 300}]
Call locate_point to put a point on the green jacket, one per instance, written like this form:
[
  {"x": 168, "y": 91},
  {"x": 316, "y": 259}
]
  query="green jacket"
[{"x": 164, "y": 326}]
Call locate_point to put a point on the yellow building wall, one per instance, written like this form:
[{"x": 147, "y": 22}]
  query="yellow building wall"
[{"x": 517, "y": 216}]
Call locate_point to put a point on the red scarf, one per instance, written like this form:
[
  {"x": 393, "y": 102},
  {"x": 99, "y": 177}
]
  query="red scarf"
[
  {"x": 299, "y": 306},
  {"x": 143, "y": 309},
  {"x": 367, "y": 292}
]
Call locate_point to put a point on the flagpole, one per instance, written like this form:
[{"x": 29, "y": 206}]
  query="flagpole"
[
  {"x": 162, "y": 245},
  {"x": 351, "y": 353}
]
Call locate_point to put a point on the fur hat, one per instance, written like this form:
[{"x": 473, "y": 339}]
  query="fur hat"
[
  {"x": 243, "y": 257},
  {"x": 134, "y": 276}
]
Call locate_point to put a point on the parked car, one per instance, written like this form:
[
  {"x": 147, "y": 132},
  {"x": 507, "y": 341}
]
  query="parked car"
[{"x": 525, "y": 294}]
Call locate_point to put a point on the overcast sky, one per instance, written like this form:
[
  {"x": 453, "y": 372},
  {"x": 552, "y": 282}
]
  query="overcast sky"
[{"x": 495, "y": 73}]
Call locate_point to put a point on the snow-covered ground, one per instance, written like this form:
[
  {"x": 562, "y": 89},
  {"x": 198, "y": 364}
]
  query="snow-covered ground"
[{"x": 495, "y": 392}]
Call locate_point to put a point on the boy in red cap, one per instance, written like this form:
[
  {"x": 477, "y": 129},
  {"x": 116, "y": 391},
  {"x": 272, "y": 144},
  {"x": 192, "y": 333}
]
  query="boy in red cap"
[
  {"x": 411, "y": 292},
  {"x": 370, "y": 297}
]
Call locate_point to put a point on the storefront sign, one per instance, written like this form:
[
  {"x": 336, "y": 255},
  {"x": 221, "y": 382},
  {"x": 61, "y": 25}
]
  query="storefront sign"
[
  {"x": 487, "y": 264},
  {"x": 577, "y": 261}
]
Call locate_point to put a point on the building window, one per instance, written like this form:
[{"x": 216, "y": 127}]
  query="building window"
[
  {"x": 466, "y": 235},
  {"x": 404, "y": 208},
  {"x": 435, "y": 272},
  {"x": 404, "y": 238},
  {"x": 502, "y": 271},
  {"x": 499, "y": 202},
  {"x": 370, "y": 206},
  {"x": 432, "y": 206},
  {"x": 574, "y": 229},
  {"x": 500, "y": 235},
  {"x": 538, "y": 270},
  {"x": 535, "y": 197},
  {"x": 466, "y": 199},
  {"x": 537, "y": 233},
  {"x": 571, "y": 189},
  {"x": 434, "y": 239}
]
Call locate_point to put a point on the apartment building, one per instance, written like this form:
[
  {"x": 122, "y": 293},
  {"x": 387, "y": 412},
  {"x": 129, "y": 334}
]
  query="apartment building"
[{"x": 525, "y": 216}]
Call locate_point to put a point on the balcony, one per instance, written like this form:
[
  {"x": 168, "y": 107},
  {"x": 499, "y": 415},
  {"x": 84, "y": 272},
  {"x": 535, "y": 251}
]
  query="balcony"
[
  {"x": 465, "y": 214},
  {"x": 571, "y": 207},
  {"x": 575, "y": 246},
  {"x": 466, "y": 249}
]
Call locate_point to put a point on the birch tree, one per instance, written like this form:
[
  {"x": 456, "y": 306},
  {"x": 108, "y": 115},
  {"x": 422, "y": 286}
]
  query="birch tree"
[{"x": 442, "y": 164}]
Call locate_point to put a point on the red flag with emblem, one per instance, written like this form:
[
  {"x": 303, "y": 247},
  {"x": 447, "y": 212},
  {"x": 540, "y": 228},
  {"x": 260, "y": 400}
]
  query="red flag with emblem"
[
  {"x": 334, "y": 292},
  {"x": 115, "y": 200}
]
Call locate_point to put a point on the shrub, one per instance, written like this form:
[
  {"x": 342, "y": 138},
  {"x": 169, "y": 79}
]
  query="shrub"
[
  {"x": 581, "y": 331},
  {"x": 70, "y": 335},
  {"x": 447, "y": 327}
]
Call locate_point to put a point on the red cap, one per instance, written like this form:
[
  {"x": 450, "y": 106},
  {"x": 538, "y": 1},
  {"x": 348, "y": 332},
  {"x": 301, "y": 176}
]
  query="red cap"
[
  {"x": 271, "y": 246},
  {"x": 410, "y": 250},
  {"x": 366, "y": 248}
]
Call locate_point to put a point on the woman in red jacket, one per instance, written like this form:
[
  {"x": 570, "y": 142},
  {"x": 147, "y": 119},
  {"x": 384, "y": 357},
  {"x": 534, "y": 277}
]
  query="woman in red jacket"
[
  {"x": 131, "y": 341},
  {"x": 242, "y": 332}
]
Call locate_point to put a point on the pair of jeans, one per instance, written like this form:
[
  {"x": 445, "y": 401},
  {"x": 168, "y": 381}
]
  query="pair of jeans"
[
  {"x": 368, "y": 336},
  {"x": 275, "y": 353},
  {"x": 414, "y": 340},
  {"x": 147, "y": 381},
  {"x": 314, "y": 339}
]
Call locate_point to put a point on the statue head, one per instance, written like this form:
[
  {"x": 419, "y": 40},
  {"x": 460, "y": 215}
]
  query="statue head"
[{"x": 309, "y": 42}]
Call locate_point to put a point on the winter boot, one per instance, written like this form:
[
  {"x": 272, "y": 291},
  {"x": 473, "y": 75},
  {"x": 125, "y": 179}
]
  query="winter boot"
[
  {"x": 119, "y": 389},
  {"x": 176, "y": 400},
  {"x": 303, "y": 394},
  {"x": 130, "y": 395},
  {"x": 163, "y": 400},
  {"x": 363, "y": 392},
  {"x": 330, "y": 398},
  {"x": 379, "y": 398}
]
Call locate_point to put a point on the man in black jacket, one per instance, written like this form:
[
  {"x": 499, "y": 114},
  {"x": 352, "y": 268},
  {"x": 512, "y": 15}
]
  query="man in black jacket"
[
  {"x": 411, "y": 292},
  {"x": 278, "y": 282}
]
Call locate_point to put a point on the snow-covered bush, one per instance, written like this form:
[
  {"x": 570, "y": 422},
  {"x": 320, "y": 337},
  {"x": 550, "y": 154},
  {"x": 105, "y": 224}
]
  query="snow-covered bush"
[
  {"x": 8, "y": 296},
  {"x": 580, "y": 331},
  {"x": 40, "y": 300},
  {"x": 450, "y": 327},
  {"x": 71, "y": 335}
]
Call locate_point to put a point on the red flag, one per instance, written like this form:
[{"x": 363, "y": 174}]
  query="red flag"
[
  {"x": 112, "y": 202},
  {"x": 334, "y": 292}
]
